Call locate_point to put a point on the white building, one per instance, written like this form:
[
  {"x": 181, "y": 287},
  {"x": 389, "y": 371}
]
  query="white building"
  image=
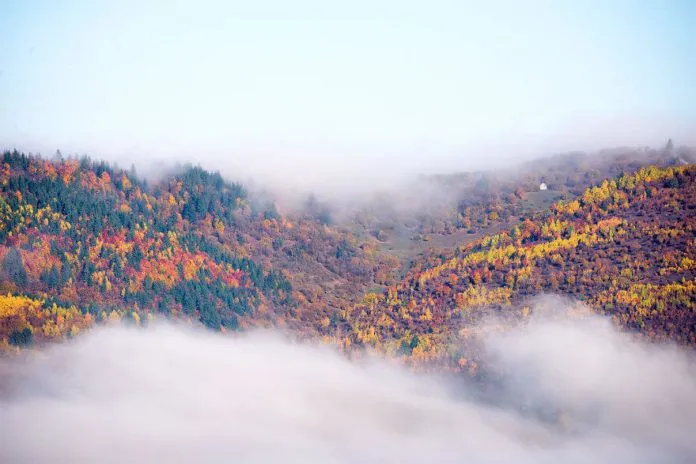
[{"x": 542, "y": 186}]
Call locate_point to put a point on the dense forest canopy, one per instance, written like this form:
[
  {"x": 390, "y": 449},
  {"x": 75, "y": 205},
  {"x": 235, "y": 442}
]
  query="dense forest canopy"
[
  {"x": 83, "y": 243},
  {"x": 626, "y": 247}
]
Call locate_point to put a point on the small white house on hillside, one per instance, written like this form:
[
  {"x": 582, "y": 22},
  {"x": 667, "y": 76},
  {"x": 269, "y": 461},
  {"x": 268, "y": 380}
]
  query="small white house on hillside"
[{"x": 542, "y": 186}]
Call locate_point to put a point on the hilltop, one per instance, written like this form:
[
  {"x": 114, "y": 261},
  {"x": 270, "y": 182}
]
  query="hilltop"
[
  {"x": 626, "y": 247},
  {"x": 83, "y": 243}
]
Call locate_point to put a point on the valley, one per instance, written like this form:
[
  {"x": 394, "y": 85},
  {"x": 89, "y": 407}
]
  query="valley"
[{"x": 85, "y": 243}]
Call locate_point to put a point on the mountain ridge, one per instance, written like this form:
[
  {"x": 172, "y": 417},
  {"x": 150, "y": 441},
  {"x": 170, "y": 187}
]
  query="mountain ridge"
[{"x": 84, "y": 242}]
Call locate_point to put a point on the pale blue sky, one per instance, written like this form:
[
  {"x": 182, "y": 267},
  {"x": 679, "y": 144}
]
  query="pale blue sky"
[{"x": 332, "y": 83}]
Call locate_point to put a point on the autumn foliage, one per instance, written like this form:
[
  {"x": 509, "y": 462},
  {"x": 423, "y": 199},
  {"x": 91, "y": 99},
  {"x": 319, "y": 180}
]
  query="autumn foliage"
[
  {"x": 626, "y": 247},
  {"x": 83, "y": 242}
]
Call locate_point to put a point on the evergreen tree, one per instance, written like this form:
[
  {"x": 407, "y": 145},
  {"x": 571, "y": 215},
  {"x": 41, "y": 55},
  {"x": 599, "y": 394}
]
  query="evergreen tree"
[{"x": 13, "y": 266}]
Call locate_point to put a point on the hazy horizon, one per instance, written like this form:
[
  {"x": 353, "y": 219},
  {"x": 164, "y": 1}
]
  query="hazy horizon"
[
  {"x": 407, "y": 273},
  {"x": 318, "y": 95}
]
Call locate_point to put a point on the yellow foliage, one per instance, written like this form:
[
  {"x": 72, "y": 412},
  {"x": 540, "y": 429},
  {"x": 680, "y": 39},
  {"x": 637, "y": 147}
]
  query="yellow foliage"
[
  {"x": 371, "y": 299},
  {"x": 427, "y": 315},
  {"x": 481, "y": 295},
  {"x": 12, "y": 305},
  {"x": 219, "y": 226}
]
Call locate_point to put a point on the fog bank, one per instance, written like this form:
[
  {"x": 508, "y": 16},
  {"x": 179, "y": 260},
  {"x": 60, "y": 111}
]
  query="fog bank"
[{"x": 169, "y": 394}]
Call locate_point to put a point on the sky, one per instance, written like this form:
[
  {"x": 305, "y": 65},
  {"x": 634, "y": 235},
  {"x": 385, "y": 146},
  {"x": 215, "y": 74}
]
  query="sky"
[{"x": 312, "y": 88}]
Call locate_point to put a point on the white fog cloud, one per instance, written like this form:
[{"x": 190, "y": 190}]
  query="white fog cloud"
[{"x": 168, "y": 394}]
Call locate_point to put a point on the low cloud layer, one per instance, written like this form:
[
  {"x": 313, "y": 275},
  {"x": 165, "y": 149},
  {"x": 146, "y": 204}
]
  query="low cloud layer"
[{"x": 169, "y": 394}]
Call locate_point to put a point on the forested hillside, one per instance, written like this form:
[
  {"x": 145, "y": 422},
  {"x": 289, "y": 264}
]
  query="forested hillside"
[
  {"x": 442, "y": 211},
  {"x": 626, "y": 247},
  {"x": 82, "y": 242}
]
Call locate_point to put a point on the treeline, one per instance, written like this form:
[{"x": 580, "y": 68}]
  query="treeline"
[
  {"x": 102, "y": 244},
  {"x": 95, "y": 237},
  {"x": 487, "y": 200},
  {"x": 626, "y": 247},
  {"x": 83, "y": 242}
]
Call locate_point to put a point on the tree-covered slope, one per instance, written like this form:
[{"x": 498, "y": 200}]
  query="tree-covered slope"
[
  {"x": 626, "y": 247},
  {"x": 82, "y": 241}
]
